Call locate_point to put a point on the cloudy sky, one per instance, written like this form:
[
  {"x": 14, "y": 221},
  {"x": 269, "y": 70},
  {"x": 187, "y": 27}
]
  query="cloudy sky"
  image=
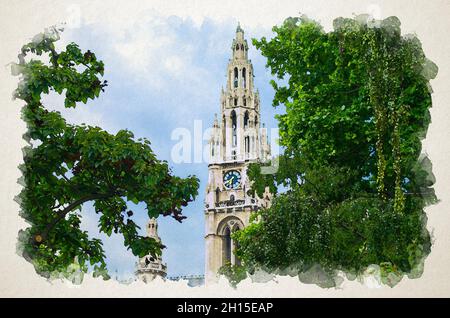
[
  {"x": 165, "y": 62},
  {"x": 164, "y": 72}
]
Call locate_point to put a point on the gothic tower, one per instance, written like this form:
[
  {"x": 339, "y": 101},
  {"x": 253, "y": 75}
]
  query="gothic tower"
[
  {"x": 149, "y": 267},
  {"x": 236, "y": 141}
]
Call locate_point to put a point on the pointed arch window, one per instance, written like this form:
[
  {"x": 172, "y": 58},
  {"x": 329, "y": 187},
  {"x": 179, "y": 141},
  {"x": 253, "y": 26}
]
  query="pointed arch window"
[
  {"x": 226, "y": 228},
  {"x": 237, "y": 261},
  {"x": 246, "y": 118},
  {"x": 247, "y": 145},
  {"x": 244, "y": 78},
  {"x": 252, "y": 146},
  {"x": 236, "y": 75},
  {"x": 227, "y": 243},
  {"x": 224, "y": 123},
  {"x": 244, "y": 101}
]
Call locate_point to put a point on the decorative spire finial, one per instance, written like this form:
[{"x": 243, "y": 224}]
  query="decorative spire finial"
[
  {"x": 152, "y": 229},
  {"x": 239, "y": 29},
  {"x": 216, "y": 122}
]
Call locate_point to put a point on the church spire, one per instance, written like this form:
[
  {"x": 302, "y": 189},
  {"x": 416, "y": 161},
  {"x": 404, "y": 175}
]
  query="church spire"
[
  {"x": 216, "y": 122},
  {"x": 151, "y": 266},
  {"x": 152, "y": 229},
  {"x": 239, "y": 29},
  {"x": 236, "y": 141}
]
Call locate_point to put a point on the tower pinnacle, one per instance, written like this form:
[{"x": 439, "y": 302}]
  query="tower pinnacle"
[
  {"x": 152, "y": 229},
  {"x": 151, "y": 266},
  {"x": 239, "y": 29},
  {"x": 239, "y": 46}
]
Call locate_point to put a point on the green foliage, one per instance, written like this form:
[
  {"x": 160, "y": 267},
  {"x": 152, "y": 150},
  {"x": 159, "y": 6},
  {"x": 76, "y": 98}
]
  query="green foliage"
[
  {"x": 357, "y": 105},
  {"x": 67, "y": 165}
]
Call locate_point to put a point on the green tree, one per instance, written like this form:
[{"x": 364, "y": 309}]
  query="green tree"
[
  {"x": 357, "y": 103},
  {"x": 67, "y": 165}
]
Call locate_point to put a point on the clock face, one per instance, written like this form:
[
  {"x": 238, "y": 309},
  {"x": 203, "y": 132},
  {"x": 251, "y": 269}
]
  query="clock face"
[{"x": 232, "y": 179}]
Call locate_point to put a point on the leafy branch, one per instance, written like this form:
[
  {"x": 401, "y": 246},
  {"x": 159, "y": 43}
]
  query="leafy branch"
[{"x": 67, "y": 165}]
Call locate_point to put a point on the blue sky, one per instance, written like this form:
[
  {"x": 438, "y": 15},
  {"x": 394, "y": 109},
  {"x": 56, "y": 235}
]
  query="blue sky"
[{"x": 163, "y": 73}]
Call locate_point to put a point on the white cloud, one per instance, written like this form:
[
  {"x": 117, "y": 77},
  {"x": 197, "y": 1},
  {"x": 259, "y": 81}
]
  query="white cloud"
[
  {"x": 143, "y": 49},
  {"x": 163, "y": 51},
  {"x": 87, "y": 114}
]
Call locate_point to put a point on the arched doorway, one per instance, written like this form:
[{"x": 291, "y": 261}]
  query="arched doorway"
[{"x": 226, "y": 228}]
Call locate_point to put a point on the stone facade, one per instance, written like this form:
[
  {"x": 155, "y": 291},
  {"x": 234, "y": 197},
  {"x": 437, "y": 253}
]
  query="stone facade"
[
  {"x": 149, "y": 267},
  {"x": 237, "y": 140}
]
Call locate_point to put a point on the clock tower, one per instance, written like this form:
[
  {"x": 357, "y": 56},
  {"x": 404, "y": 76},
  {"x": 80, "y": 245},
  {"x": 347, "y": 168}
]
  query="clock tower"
[{"x": 236, "y": 141}]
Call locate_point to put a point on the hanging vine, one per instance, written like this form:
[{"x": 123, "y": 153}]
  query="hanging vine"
[{"x": 375, "y": 97}]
